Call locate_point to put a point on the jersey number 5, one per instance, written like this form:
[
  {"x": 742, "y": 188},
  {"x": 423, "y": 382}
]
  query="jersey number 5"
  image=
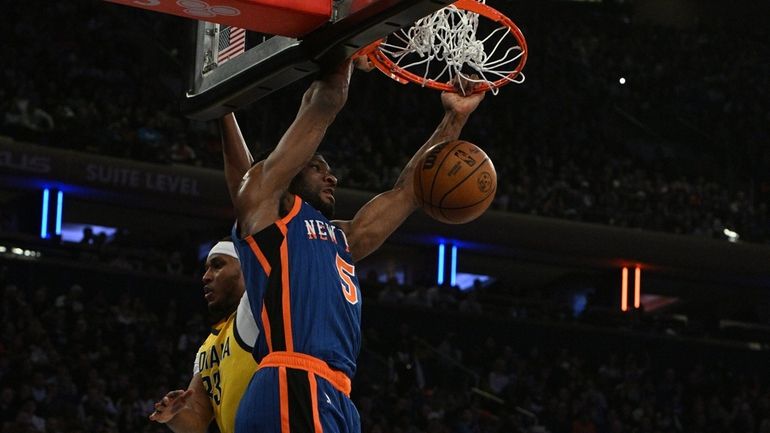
[{"x": 347, "y": 271}]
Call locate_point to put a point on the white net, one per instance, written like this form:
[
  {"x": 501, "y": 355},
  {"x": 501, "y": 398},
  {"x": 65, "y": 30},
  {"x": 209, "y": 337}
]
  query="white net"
[{"x": 453, "y": 42}]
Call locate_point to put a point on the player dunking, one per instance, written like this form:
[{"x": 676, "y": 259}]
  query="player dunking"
[{"x": 299, "y": 266}]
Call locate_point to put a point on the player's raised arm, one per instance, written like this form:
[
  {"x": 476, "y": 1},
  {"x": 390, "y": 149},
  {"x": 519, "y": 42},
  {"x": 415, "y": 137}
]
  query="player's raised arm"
[
  {"x": 381, "y": 216},
  {"x": 320, "y": 105},
  {"x": 264, "y": 185},
  {"x": 237, "y": 157}
]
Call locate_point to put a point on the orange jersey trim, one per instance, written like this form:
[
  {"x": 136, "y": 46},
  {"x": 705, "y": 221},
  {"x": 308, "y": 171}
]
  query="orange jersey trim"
[
  {"x": 281, "y": 223},
  {"x": 266, "y": 325},
  {"x": 285, "y": 286},
  {"x": 311, "y": 364},
  {"x": 284, "y": 397},
  {"x": 267, "y": 268},
  {"x": 259, "y": 255}
]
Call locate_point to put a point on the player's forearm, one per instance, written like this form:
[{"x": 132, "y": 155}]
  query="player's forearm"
[
  {"x": 320, "y": 105},
  {"x": 329, "y": 93},
  {"x": 236, "y": 154},
  {"x": 448, "y": 129},
  {"x": 324, "y": 100},
  {"x": 299, "y": 143}
]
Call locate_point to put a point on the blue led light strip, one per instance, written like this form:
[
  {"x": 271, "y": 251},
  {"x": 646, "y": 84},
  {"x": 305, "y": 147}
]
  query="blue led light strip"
[
  {"x": 59, "y": 207},
  {"x": 44, "y": 217},
  {"x": 453, "y": 269},
  {"x": 440, "y": 276}
]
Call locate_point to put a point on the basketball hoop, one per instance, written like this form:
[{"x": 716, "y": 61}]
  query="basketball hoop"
[{"x": 454, "y": 42}]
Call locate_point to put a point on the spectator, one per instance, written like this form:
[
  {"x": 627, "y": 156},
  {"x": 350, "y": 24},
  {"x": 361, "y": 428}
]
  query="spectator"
[{"x": 28, "y": 420}]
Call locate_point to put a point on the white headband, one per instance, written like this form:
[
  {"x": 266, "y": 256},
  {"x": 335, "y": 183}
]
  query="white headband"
[{"x": 223, "y": 247}]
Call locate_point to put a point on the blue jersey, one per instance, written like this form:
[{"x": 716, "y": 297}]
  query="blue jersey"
[{"x": 303, "y": 288}]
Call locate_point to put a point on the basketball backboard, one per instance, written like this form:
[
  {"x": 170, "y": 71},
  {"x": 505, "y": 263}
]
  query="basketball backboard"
[
  {"x": 222, "y": 85},
  {"x": 296, "y": 38}
]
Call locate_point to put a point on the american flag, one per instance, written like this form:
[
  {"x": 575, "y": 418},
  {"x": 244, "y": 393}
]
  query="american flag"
[{"x": 232, "y": 41}]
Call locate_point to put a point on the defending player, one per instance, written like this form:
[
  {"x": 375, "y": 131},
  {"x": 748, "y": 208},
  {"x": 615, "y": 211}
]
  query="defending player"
[
  {"x": 299, "y": 267},
  {"x": 224, "y": 363}
]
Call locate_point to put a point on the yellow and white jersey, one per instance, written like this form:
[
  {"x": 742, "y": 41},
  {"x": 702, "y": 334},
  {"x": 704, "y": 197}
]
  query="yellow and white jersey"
[{"x": 226, "y": 365}]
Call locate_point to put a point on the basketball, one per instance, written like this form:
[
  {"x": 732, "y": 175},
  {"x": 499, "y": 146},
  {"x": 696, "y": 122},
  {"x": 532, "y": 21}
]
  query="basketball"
[{"x": 455, "y": 182}]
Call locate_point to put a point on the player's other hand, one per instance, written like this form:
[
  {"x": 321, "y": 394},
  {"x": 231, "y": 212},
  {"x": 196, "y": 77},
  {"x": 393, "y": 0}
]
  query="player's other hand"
[
  {"x": 170, "y": 405},
  {"x": 363, "y": 63},
  {"x": 466, "y": 96}
]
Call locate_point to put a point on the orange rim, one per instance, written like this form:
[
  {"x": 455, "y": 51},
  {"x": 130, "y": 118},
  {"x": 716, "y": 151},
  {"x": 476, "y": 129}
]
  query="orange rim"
[{"x": 403, "y": 76}]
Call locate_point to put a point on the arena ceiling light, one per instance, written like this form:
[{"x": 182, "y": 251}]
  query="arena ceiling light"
[{"x": 731, "y": 235}]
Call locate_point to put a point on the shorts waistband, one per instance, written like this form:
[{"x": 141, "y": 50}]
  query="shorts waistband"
[{"x": 301, "y": 361}]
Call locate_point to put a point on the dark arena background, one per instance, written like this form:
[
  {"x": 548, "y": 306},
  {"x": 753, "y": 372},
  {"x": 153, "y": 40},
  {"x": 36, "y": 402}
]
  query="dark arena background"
[{"x": 620, "y": 282}]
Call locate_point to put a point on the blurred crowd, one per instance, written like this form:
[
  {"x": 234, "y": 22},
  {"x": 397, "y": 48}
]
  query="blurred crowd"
[
  {"x": 681, "y": 147},
  {"x": 494, "y": 385},
  {"x": 84, "y": 359},
  {"x": 76, "y": 358}
]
